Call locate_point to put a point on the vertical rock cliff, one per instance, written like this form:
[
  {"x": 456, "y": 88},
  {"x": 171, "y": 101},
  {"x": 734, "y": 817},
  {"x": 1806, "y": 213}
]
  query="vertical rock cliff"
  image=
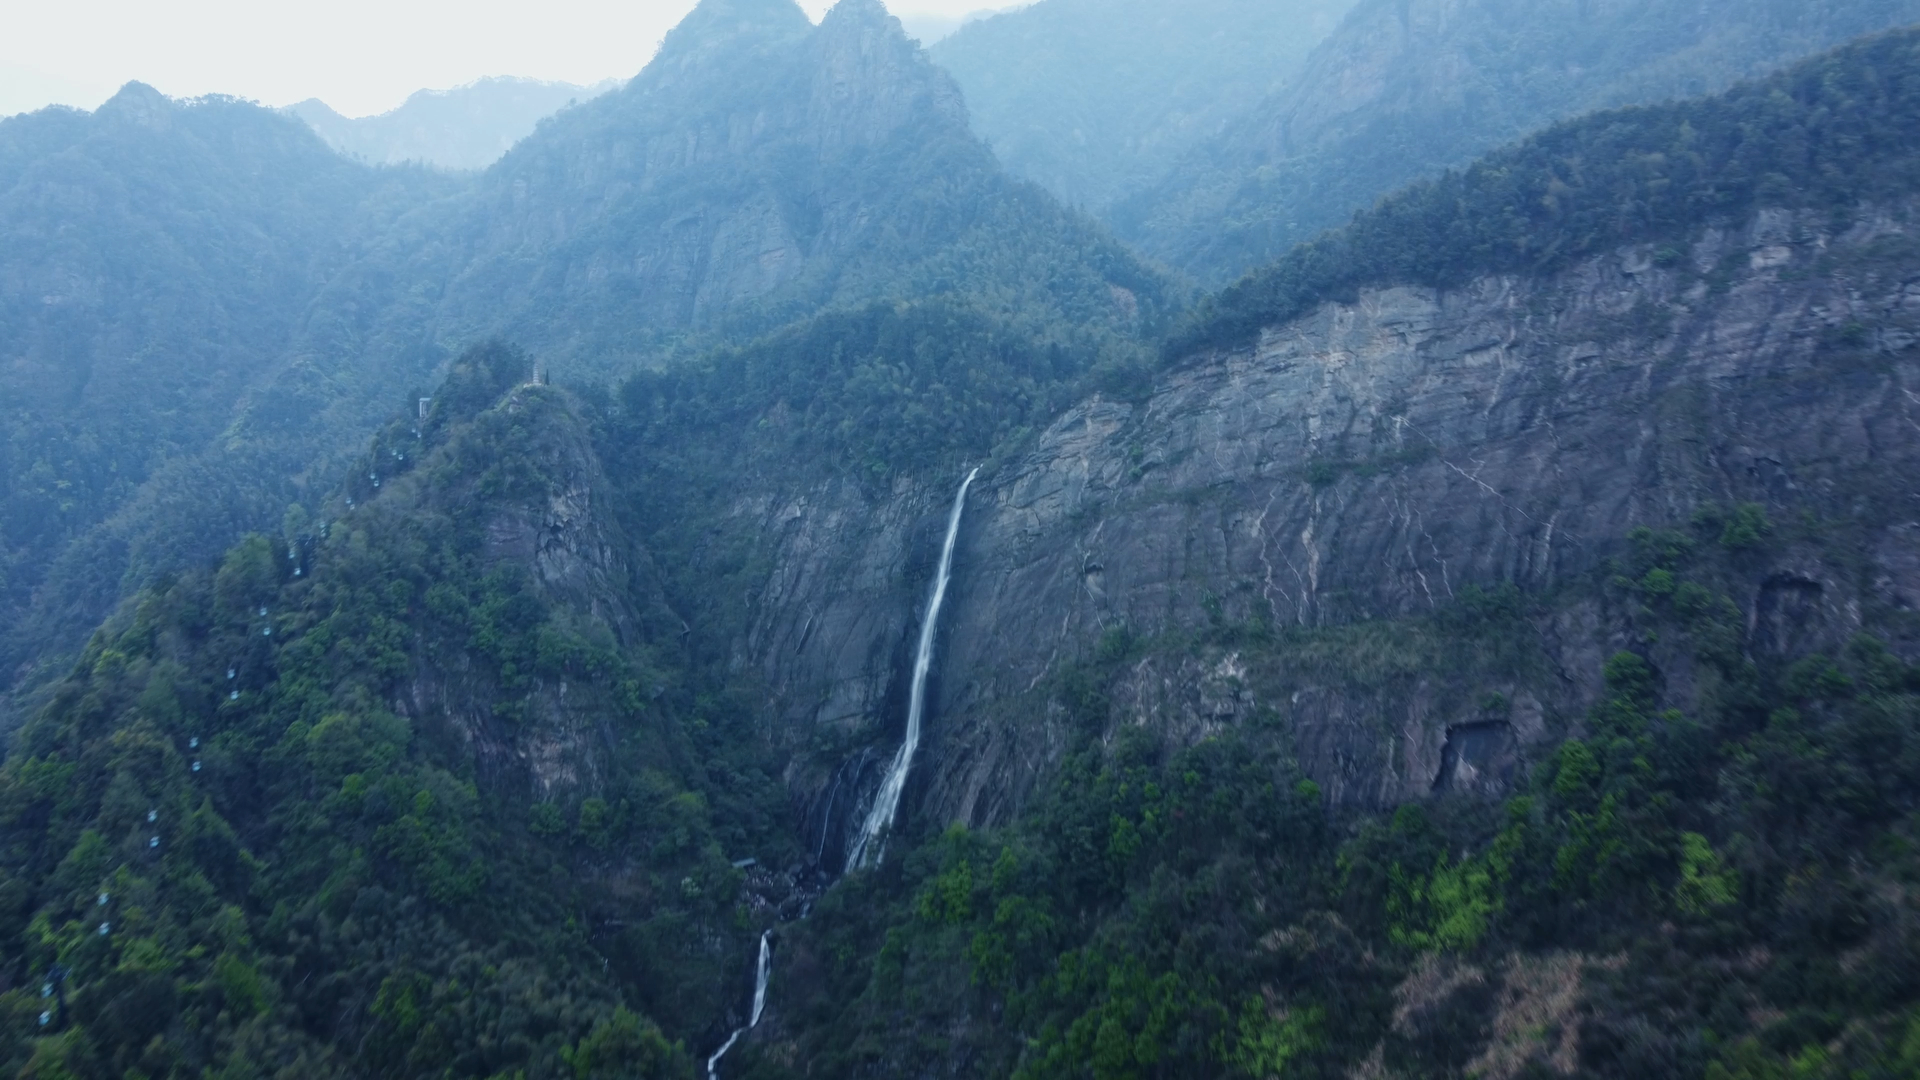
[{"x": 1379, "y": 462}]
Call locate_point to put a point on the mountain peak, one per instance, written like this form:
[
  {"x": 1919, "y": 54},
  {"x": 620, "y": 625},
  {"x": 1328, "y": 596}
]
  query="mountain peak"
[
  {"x": 314, "y": 109},
  {"x": 724, "y": 16},
  {"x": 141, "y": 104},
  {"x": 867, "y": 12},
  {"x": 869, "y": 22},
  {"x": 871, "y": 78},
  {"x": 716, "y": 27}
]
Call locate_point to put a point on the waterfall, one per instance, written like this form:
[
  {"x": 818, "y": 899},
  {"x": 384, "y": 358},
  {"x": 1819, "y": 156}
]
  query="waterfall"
[
  {"x": 760, "y": 976},
  {"x": 872, "y": 842},
  {"x": 847, "y": 768},
  {"x": 887, "y": 802}
]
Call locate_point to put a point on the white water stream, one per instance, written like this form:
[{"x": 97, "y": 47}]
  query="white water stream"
[
  {"x": 760, "y": 976},
  {"x": 871, "y": 845},
  {"x": 872, "y": 842}
]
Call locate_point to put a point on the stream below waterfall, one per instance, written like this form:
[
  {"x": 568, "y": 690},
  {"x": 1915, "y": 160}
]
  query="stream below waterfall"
[{"x": 761, "y": 974}]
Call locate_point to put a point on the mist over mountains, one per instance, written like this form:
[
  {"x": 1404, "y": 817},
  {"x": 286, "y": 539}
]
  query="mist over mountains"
[
  {"x": 1404, "y": 90},
  {"x": 864, "y": 184},
  {"x": 928, "y": 29},
  {"x": 1093, "y": 100},
  {"x": 465, "y": 574},
  {"x": 140, "y": 327},
  {"x": 468, "y": 127}
]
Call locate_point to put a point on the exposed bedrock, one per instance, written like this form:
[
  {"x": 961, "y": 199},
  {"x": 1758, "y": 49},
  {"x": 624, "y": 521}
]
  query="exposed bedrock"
[{"x": 1368, "y": 461}]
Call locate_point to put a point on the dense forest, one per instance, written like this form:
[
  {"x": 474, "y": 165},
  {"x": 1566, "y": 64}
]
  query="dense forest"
[
  {"x": 1196, "y": 913},
  {"x": 501, "y": 723},
  {"x": 155, "y": 254},
  {"x": 321, "y": 885},
  {"x": 1832, "y": 135}
]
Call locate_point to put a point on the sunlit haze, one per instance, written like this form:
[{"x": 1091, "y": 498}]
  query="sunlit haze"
[{"x": 360, "y": 56}]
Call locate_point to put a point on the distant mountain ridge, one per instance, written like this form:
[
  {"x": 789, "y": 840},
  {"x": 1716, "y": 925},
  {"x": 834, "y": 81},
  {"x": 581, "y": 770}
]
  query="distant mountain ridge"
[
  {"x": 929, "y": 29},
  {"x": 761, "y": 168},
  {"x": 467, "y": 127},
  {"x": 1093, "y": 99},
  {"x": 1405, "y": 88}
]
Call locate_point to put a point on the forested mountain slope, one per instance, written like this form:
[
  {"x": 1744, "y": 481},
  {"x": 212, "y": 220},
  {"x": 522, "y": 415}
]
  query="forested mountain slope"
[
  {"x": 277, "y": 824},
  {"x": 1094, "y": 99},
  {"x": 1499, "y": 657},
  {"x": 1406, "y": 88},
  {"x": 158, "y": 258},
  {"x": 467, "y": 127},
  {"x": 759, "y": 170},
  {"x": 1482, "y": 644}
]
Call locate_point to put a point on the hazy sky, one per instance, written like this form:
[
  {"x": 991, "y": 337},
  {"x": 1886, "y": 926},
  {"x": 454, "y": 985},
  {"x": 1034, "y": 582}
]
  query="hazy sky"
[{"x": 360, "y": 56}]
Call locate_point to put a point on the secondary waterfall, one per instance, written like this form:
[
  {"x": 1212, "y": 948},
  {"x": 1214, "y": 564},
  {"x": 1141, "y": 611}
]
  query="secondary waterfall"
[
  {"x": 759, "y": 1005},
  {"x": 872, "y": 842}
]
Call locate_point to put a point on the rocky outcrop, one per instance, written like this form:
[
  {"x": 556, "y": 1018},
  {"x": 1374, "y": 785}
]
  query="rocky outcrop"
[
  {"x": 1375, "y": 460},
  {"x": 868, "y": 80},
  {"x": 554, "y": 737},
  {"x": 566, "y": 535}
]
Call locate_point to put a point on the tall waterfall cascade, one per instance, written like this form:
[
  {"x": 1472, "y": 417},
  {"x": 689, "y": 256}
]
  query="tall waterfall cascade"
[
  {"x": 760, "y": 976},
  {"x": 871, "y": 844}
]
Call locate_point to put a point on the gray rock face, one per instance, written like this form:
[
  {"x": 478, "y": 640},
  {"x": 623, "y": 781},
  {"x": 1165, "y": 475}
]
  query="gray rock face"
[
  {"x": 1373, "y": 460},
  {"x": 567, "y": 538}
]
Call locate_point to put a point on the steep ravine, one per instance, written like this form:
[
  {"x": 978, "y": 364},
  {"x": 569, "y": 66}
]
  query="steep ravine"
[{"x": 1375, "y": 460}]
